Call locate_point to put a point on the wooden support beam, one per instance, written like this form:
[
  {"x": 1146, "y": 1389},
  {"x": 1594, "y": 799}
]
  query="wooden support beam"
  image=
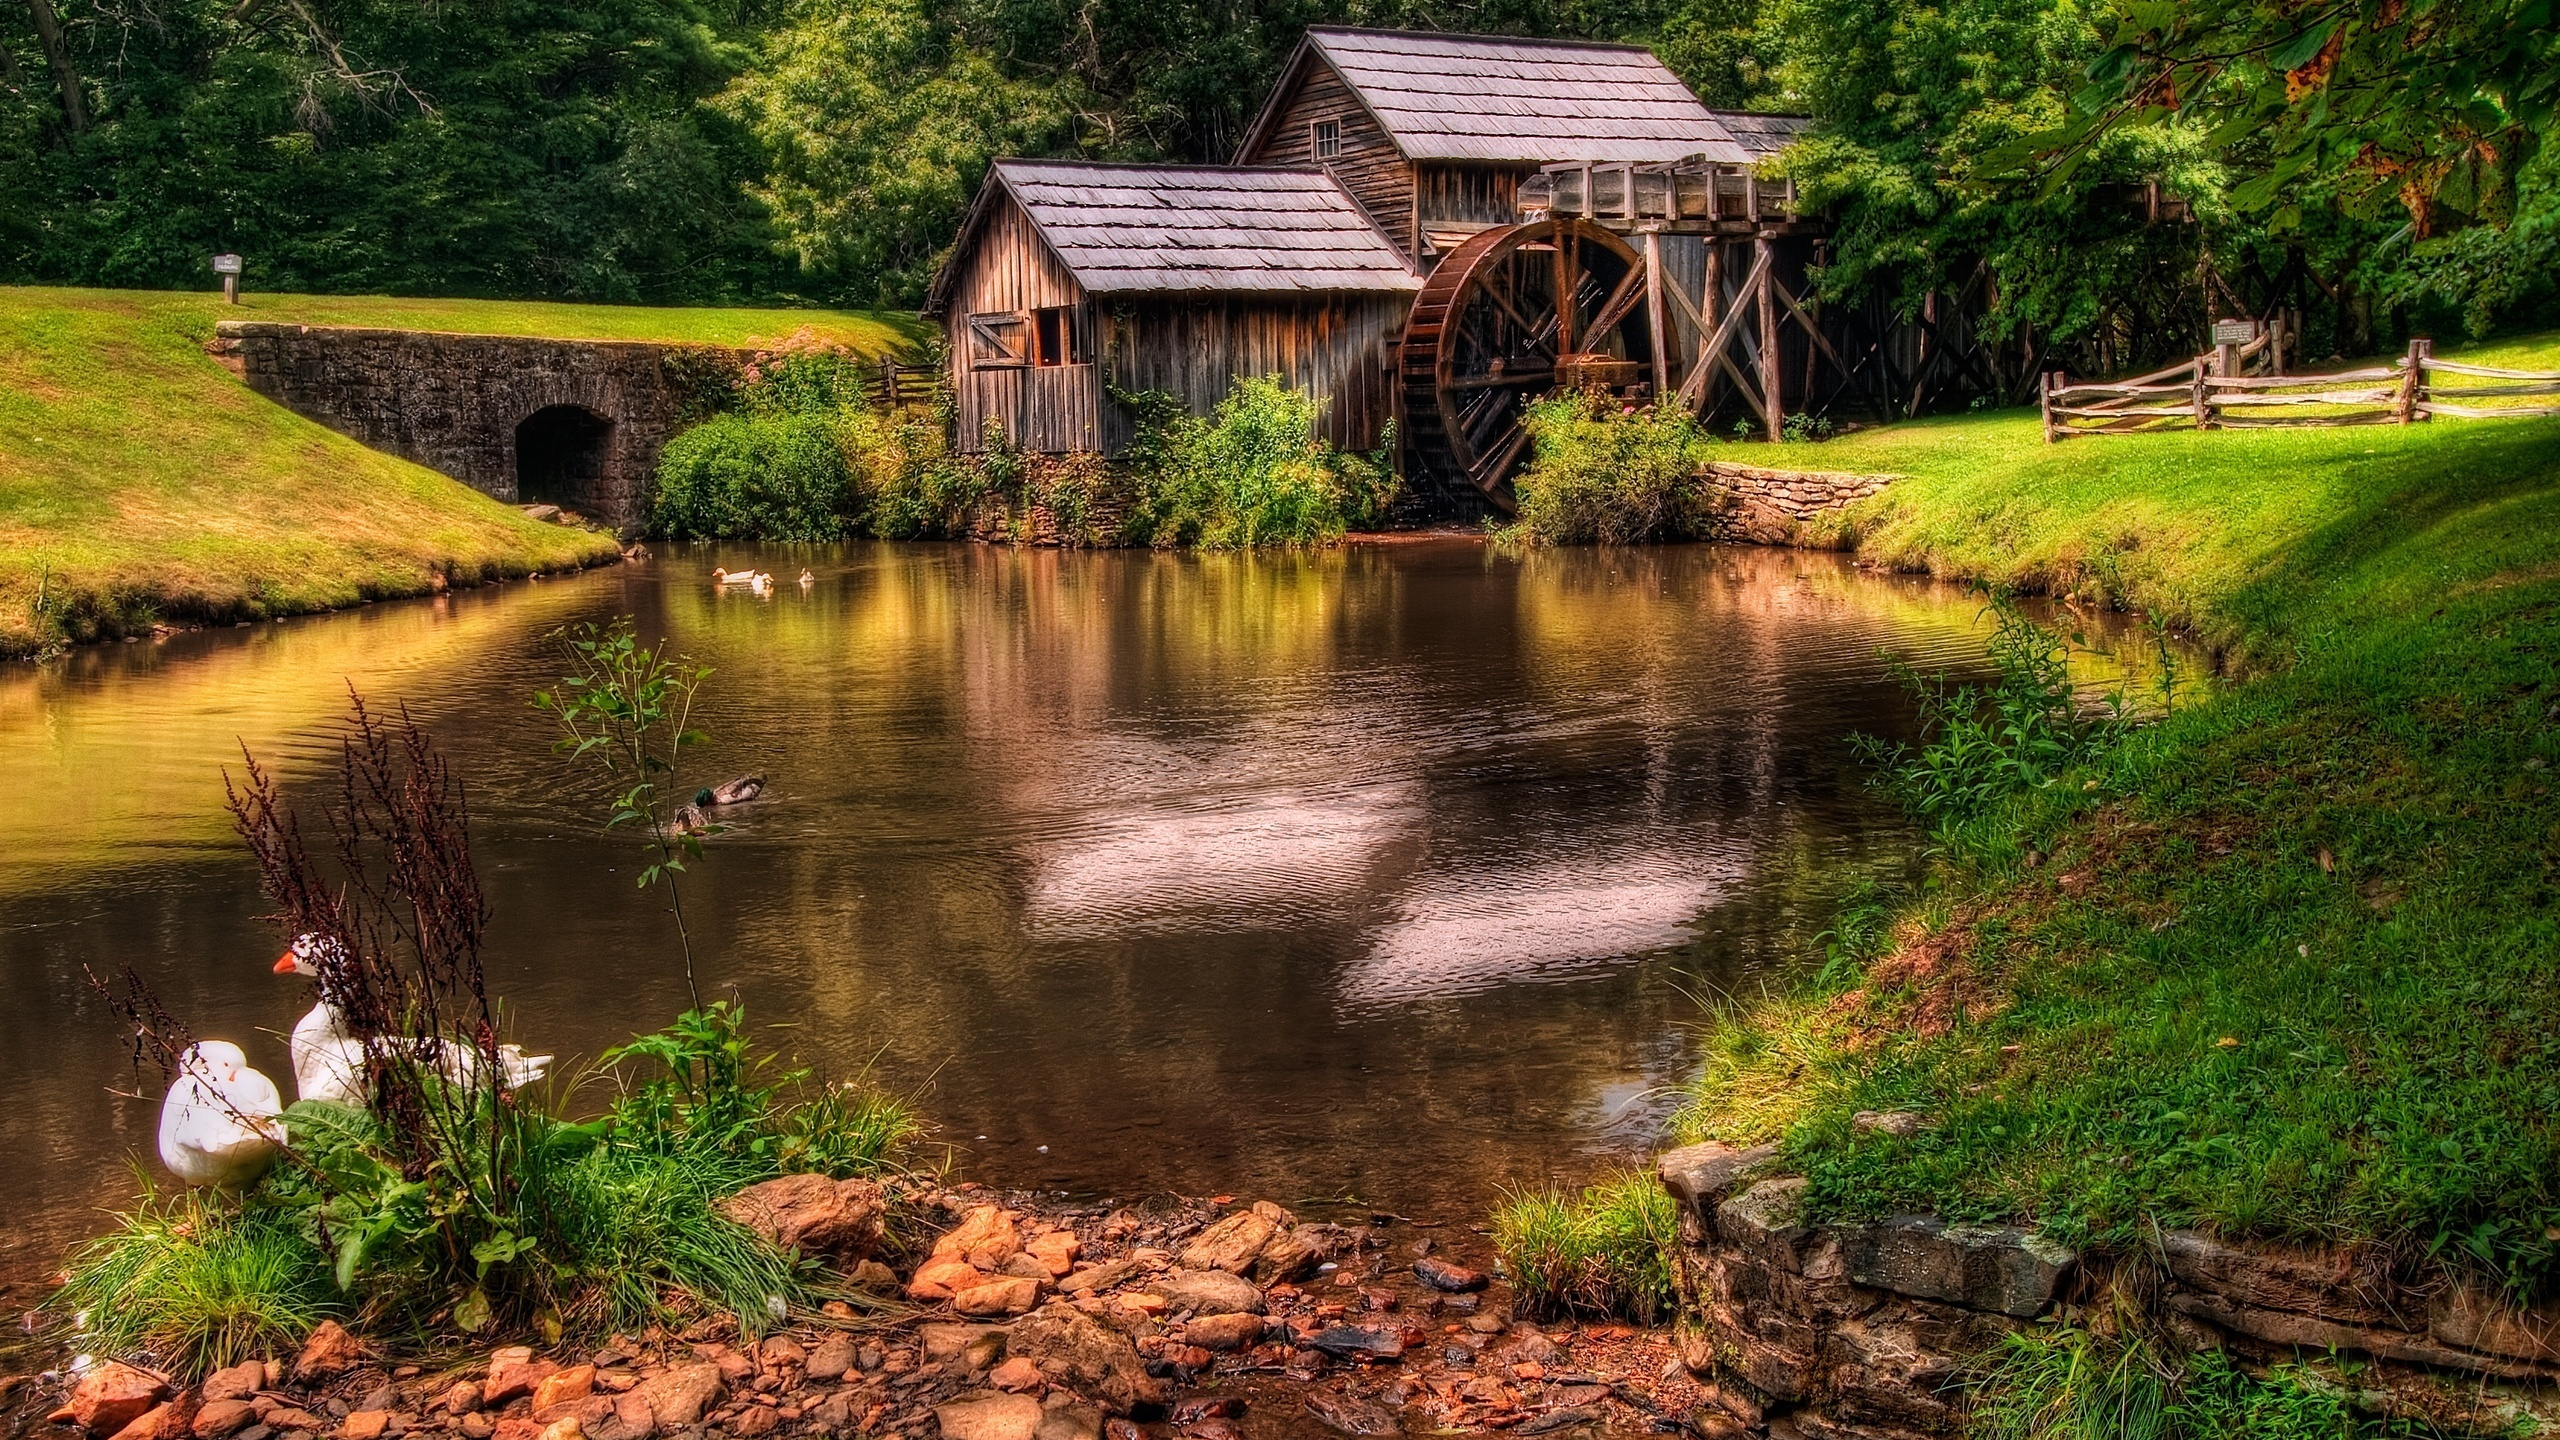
[
  {"x": 1657, "y": 323},
  {"x": 1763, "y": 265},
  {"x": 1693, "y": 389}
]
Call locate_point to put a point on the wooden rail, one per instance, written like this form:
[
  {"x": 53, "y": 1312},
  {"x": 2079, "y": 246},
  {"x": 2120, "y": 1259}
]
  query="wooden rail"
[
  {"x": 1685, "y": 196},
  {"x": 2211, "y": 392}
]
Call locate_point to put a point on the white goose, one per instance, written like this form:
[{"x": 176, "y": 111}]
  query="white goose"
[
  {"x": 328, "y": 1061},
  {"x": 218, "y": 1126}
]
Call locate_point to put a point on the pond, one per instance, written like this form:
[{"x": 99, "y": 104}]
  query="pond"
[{"x": 1399, "y": 873}]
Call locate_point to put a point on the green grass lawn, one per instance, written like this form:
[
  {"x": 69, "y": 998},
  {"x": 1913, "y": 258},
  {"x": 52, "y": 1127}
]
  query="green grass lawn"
[
  {"x": 2283, "y": 965},
  {"x": 141, "y": 482}
]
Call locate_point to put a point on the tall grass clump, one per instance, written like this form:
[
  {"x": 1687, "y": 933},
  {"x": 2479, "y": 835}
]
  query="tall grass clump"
[
  {"x": 187, "y": 1275},
  {"x": 2068, "y": 1382},
  {"x": 1252, "y": 472},
  {"x": 1606, "y": 1251},
  {"x": 1602, "y": 473}
]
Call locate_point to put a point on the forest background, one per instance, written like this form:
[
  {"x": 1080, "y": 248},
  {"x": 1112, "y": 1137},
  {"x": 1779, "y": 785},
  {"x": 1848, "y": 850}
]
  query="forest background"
[{"x": 2377, "y": 165}]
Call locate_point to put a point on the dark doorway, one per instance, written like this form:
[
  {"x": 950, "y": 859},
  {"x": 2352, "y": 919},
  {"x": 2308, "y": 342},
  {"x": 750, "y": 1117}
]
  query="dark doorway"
[{"x": 560, "y": 454}]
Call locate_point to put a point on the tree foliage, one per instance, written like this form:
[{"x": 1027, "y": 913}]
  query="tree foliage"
[{"x": 2377, "y": 164}]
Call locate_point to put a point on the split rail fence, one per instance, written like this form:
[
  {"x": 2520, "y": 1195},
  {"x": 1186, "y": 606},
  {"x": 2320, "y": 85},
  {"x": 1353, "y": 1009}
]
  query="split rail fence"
[{"x": 2214, "y": 392}]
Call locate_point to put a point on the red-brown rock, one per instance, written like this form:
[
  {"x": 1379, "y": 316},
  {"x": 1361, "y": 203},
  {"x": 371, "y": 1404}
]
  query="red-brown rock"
[
  {"x": 514, "y": 1372},
  {"x": 986, "y": 1237},
  {"x": 110, "y": 1397},
  {"x": 217, "y": 1418},
  {"x": 1224, "y": 1332},
  {"x": 564, "y": 1387},
  {"x": 328, "y": 1354},
  {"x": 813, "y": 1214},
  {"x": 941, "y": 1279},
  {"x": 364, "y": 1425},
  {"x": 1232, "y": 1245},
  {"x": 997, "y": 1297},
  {"x": 170, "y": 1420},
  {"x": 678, "y": 1397},
  {"x": 234, "y": 1382}
]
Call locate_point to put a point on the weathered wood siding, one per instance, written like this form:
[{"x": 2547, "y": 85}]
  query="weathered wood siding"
[
  {"x": 1469, "y": 192},
  {"x": 1055, "y": 408},
  {"x": 1338, "y": 347},
  {"x": 1370, "y": 167}
]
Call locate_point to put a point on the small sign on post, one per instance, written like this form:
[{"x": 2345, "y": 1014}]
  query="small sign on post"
[
  {"x": 228, "y": 267},
  {"x": 2234, "y": 332}
]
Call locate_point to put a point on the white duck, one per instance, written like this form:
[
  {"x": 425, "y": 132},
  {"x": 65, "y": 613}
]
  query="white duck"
[
  {"x": 755, "y": 578},
  {"x": 218, "y": 1126},
  {"x": 328, "y": 1061}
]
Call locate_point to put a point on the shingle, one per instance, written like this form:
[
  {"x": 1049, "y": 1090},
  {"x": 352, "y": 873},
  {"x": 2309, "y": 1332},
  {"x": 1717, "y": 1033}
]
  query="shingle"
[{"x": 1123, "y": 228}]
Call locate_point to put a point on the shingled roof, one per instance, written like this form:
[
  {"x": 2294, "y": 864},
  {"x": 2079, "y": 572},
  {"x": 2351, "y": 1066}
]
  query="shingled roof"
[
  {"x": 1492, "y": 97},
  {"x": 1123, "y": 229},
  {"x": 1764, "y": 134}
]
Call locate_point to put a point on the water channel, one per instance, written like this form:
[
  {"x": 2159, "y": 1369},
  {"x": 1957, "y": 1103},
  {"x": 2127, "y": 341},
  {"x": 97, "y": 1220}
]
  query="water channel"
[{"x": 1398, "y": 872}]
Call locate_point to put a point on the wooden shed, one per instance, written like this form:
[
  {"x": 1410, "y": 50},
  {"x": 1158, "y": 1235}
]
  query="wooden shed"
[
  {"x": 1177, "y": 278},
  {"x": 1434, "y": 133}
]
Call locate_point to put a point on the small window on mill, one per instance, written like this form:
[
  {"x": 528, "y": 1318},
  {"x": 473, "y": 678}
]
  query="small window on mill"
[
  {"x": 1327, "y": 139},
  {"x": 1058, "y": 336}
]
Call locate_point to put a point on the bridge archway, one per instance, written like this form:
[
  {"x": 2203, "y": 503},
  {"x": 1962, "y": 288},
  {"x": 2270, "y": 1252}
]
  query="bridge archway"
[{"x": 562, "y": 455}]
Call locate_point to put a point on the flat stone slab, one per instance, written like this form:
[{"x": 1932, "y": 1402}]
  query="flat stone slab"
[
  {"x": 1700, "y": 1176},
  {"x": 1983, "y": 1267}
]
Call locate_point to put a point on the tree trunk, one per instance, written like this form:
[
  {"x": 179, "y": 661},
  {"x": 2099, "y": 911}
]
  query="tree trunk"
[{"x": 57, "y": 53}]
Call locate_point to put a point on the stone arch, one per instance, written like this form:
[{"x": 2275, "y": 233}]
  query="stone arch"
[{"x": 564, "y": 456}]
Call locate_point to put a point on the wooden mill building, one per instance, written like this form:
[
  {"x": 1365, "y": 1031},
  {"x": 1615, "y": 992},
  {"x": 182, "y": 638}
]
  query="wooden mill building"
[
  {"x": 1432, "y": 228},
  {"x": 1177, "y": 278}
]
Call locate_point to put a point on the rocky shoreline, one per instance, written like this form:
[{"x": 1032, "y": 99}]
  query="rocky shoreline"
[{"x": 1002, "y": 1316}]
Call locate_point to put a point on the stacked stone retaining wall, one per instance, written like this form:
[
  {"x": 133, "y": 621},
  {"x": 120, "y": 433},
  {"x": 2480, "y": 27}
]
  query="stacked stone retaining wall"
[
  {"x": 1871, "y": 1331},
  {"x": 1772, "y": 507}
]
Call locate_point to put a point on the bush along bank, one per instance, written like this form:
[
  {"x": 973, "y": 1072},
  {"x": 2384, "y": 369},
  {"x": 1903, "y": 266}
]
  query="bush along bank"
[
  {"x": 796, "y": 454},
  {"x": 2245, "y": 1009}
]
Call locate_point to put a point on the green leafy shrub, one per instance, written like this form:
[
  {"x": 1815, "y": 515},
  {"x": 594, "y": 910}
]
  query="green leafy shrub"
[
  {"x": 1606, "y": 1251},
  {"x": 1604, "y": 474},
  {"x": 1252, "y": 472},
  {"x": 798, "y": 456},
  {"x": 755, "y": 477}
]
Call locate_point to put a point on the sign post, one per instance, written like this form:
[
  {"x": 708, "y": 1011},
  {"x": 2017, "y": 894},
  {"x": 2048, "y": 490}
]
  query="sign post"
[{"x": 228, "y": 267}]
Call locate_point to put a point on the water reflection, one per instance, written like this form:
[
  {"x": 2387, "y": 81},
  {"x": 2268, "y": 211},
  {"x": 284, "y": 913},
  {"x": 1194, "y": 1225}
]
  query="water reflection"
[{"x": 1391, "y": 871}]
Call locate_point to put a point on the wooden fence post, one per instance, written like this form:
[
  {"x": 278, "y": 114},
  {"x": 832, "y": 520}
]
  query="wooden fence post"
[
  {"x": 2044, "y": 401},
  {"x": 2421, "y": 354},
  {"x": 2404, "y": 405},
  {"x": 2203, "y": 406},
  {"x": 1658, "y": 324}
]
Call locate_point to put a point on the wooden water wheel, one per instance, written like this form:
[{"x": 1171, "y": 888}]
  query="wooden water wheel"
[{"x": 1489, "y": 333}]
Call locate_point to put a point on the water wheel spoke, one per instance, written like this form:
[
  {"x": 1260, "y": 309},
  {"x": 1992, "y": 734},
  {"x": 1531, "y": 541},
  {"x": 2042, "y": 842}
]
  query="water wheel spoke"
[{"x": 1509, "y": 379}]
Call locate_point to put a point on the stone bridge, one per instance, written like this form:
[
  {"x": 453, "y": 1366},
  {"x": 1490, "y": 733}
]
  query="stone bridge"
[{"x": 574, "y": 423}]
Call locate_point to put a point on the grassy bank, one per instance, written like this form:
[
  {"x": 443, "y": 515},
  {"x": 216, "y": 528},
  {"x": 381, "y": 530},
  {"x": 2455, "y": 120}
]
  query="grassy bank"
[
  {"x": 2281, "y": 965},
  {"x": 141, "y": 483}
]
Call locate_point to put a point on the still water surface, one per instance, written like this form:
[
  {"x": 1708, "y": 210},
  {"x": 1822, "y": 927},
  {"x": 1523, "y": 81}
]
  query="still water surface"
[{"x": 1397, "y": 872}]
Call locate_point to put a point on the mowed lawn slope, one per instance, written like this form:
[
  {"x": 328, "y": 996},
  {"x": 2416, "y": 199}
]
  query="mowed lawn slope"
[
  {"x": 141, "y": 482},
  {"x": 2282, "y": 965}
]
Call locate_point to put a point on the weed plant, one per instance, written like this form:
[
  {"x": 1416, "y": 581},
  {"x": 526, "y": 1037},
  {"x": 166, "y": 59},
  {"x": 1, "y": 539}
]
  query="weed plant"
[
  {"x": 1251, "y": 473},
  {"x": 1606, "y": 1251},
  {"x": 1601, "y": 473},
  {"x": 2026, "y": 729}
]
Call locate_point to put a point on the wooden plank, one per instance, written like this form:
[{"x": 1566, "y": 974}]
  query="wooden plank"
[
  {"x": 2457, "y": 368},
  {"x": 2486, "y": 412},
  {"x": 1657, "y": 323},
  {"x": 1772, "y": 404},
  {"x": 2479, "y": 392},
  {"x": 1714, "y": 348}
]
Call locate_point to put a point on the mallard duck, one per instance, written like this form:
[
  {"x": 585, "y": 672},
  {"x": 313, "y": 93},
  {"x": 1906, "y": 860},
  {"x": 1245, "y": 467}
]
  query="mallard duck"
[
  {"x": 218, "y": 1126},
  {"x": 690, "y": 820},
  {"x": 733, "y": 792}
]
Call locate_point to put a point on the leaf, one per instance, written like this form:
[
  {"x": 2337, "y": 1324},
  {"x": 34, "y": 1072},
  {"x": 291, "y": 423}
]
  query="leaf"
[
  {"x": 2293, "y": 53},
  {"x": 473, "y": 1314}
]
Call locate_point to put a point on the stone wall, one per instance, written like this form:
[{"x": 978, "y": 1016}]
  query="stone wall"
[
  {"x": 1866, "y": 1331},
  {"x": 453, "y": 403},
  {"x": 1770, "y": 507}
]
